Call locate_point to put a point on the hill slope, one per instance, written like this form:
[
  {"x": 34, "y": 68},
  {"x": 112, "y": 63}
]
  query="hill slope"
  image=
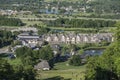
[{"x": 97, "y": 6}]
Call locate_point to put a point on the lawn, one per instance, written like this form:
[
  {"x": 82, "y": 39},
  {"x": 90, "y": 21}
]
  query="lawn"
[
  {"x": 24, "y": 16},
  {"x": 14, "y": 62},
  {"x": 71, "y": 29},
  {"x": 63, "y": 71},
  {"x": 31, "y": 22},
  {"x": 60, "y": 71}
]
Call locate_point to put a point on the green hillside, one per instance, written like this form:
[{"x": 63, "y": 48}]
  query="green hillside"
[{"x": 88, "y": 6}]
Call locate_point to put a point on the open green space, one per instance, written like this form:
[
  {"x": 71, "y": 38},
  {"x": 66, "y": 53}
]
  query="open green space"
[
  {"x": 63, "y": 70},
  {"x": 23, "y": 16},
  {"x": 85, "y": 30},
  {"x": 28, "y": 23},
  {"x": 60, "y": 70},
  {"x": 71, "y": 29},
  {"x": 14, "y": 62}
]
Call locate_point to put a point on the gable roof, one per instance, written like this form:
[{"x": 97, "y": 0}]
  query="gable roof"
[{"x": 42, "y": 64}]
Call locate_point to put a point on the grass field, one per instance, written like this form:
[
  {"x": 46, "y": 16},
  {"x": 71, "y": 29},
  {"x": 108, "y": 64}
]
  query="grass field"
[
  {"x": 24, "y": 16},
  {"x": 62, "y": 71},
  {"x": 69, "y": 29},
  {"x": 15, "y": 62},
  {"x": 32, "y": 22}
]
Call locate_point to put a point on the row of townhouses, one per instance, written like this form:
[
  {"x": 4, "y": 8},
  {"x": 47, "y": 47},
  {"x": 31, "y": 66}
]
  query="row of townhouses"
[
  {"x": 78, "y": 38},
  {"x": 34, "y": 39}
]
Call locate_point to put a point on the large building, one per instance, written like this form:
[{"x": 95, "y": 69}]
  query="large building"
[
  {"x": 78, "y": 38},
  {"x": 29, "y": 40},
  {"x": 33, "y": 40}
]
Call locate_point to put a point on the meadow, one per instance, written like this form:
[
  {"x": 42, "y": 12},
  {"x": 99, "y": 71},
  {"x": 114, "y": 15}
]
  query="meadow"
[{"x": 63, "y": 71}]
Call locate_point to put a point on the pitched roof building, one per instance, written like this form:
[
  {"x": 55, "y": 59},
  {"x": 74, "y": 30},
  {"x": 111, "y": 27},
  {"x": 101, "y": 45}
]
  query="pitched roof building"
[{"x": 43, "y": 65}]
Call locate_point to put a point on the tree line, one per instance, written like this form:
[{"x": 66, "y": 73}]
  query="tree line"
[
  {"x": 4, "y": 21},
  {"x": 104, "y": 16},
  {"x": 80, "y": 23},
  {"x": 115, "y": 16}
]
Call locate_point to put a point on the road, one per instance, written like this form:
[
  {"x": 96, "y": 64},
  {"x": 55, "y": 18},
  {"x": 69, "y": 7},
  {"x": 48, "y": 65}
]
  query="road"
[{"x": 4, "y": 50}]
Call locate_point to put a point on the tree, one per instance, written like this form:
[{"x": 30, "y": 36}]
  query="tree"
[
  {"x": 4, "y": 21},
  {"x": 64, "y": 22},
  {"x": 6, "y": 70},
  {"x": 24, "y": 73},
  {"x": 46, "y": 53},
  {"x": 81, "y": 51},
  {"x": 75, "y": 60},
  {"x": 20, "y": 52},
  {"x": 43, "y": 30},
  {"x": 106, "y": 66},
  {"x": 29, "y": 73},
  {"x": 6, "y": 38}
]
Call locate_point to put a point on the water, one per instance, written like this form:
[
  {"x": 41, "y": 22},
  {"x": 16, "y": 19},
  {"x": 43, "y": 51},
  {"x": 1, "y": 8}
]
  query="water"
[{"x": 92, "y": 52}]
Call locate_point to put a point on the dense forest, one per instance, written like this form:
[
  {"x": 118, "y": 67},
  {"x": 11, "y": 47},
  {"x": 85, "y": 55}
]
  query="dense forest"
[
  {"x": 106, "y": 66},
  {"x": 6, "y": 38},
  {"x": 31, "y": 57},
  {"x": 80, "y": 23},
  {"x": 19, "y": 72},
  {"x": 4, "y": 21}
]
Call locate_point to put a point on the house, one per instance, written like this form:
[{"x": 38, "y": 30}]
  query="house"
[
  {"x": 28, "y": 40},
  {"x": 27, "y": 36},
  {"x": 73, "y": 40},
  {"x": 62, "y": 37},
  {"x": 86, "y": 38},
  {"x": 94, "y": 38},
  {"x": 48, "y": 38},
  {"x": 43, "y": 65},
  {"x": 81, "y": 38},
  {"x": 67, "y": 39},
  {"x": 56, "y": 48},
  {"x": 78, "y": 39},
  {"x": 55, "y": 38},
  {"x": 8, "y": 12}
]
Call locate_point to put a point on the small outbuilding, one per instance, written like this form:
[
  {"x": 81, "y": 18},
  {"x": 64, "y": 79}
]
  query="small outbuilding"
[{"x": 43, "y": 65}]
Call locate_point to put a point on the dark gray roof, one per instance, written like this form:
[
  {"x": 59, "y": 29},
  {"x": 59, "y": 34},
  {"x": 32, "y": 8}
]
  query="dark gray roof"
[{"x": 28, "y": 37}]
